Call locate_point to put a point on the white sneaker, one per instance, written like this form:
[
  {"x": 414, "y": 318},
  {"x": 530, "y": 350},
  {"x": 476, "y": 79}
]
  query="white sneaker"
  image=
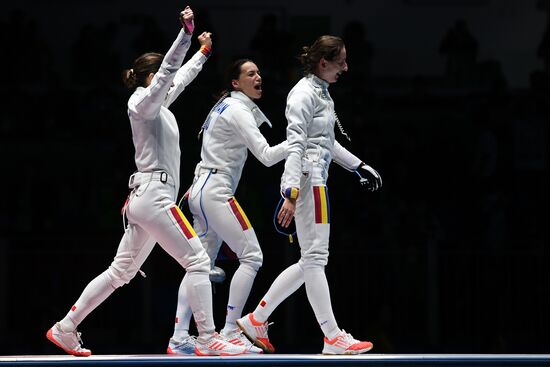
[
  {"x": 70, "y": 342},
  {"x": 216, "y": 346},
  {"x": 344, "y": 343},
  {"x": 237, "y": 337},
  {"x": 186, "y": 347},
  {"x": 256, "y": 332}
]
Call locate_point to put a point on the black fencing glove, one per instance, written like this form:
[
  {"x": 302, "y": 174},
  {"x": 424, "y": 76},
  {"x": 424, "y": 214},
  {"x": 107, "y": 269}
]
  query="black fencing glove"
[{"x": 368, "y": 177}]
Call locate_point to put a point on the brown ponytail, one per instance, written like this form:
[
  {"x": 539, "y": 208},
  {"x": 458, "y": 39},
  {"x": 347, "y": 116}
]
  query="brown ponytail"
[
  {"x": 327, "y": 47},
  {"x": 143, "y": 66}
]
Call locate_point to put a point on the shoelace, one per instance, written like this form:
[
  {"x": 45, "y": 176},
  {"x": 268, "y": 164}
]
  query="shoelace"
[
  {"x": 191, "y": 339},
  {"x": 79, "y": 338},
  {"x": 266, "y": 325},
  {"x": 347, "y": 337}
]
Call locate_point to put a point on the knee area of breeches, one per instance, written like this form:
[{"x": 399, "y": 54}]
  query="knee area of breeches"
[
  {"x": 118, "y": 278},
  {"x": 248, "y": 269},
  {"x": 200, "y": 264},
  {"x": 313, "y": 260},
  {"x": 253, "y": 260}
]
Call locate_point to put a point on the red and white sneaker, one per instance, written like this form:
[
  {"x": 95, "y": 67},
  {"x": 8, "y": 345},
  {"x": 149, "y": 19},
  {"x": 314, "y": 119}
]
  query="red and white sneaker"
[
  {"x": 238, "y": 338},
  {"x": 216, "y": 346},
  {"x": 344, "y": 343},
  {"x": 256, "y": 332},
  {"x": 70, "y": 342}
]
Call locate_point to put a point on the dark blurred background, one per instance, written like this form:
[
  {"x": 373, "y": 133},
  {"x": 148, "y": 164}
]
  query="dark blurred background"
[{"x": 447, "y": 99}]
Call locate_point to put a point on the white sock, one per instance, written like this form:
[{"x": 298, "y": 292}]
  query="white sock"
[
  {"x": 199, "y": 295},
  {"x": 241, "y": 284},
  {"x": 286, "y": 283},
  {"x": 93, "y": 295},
  {"x": 318, "y": 295},
  {"x": 183, "y": 313}
]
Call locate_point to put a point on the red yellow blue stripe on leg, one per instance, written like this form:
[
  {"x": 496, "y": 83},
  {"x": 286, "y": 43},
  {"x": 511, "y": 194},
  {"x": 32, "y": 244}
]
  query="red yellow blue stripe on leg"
[{"x": 322, "y": 206}]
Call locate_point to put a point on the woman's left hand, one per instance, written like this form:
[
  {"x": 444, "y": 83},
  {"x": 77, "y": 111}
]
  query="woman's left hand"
[{"x": 205, "y": 39}]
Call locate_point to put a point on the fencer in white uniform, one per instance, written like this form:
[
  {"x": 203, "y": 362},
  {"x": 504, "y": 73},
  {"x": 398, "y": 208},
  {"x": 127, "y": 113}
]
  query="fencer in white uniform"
[
  {"x": 312, "y": 147},
  {"x": 151, "y": 211},
  {"x": 231, "y": 130}
]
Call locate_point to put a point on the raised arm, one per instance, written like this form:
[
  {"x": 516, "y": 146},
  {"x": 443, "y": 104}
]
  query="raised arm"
[
  {"x": 149, "y": 104},
  {"x": 189, "y": 71}
]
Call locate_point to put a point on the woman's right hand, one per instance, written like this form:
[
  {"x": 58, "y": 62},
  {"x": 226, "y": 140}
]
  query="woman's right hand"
[
  {"x": 186, "y": 18},
  {"x": 205, "y": 39},
  {"x": 287, "y": 212}
]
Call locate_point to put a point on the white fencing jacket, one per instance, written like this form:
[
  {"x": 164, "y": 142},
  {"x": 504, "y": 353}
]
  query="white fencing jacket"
[
  {"x": 154, "y": 128},
  {"x": 230, "y": 130},
  {"x": 310, "y": 133}
]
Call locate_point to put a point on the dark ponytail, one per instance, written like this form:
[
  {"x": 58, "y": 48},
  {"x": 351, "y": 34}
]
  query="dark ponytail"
[
  {"x": 232, "y": 72},
  {"x": 143, "y": 66}
]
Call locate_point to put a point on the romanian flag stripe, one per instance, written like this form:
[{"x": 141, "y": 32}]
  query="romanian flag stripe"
[
  {"x": 317, "y": 203},
  {"x": 291, "y": 193},
  {"x": 239, "y": 213},
  {"x": 322, "y": 209},
  {"x": 328, "y": 203},
  {"x": 188, "y": 231}
]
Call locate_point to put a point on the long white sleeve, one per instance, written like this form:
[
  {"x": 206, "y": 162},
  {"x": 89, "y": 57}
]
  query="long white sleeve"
[
  {"x": 299, "y": 111},
  {"x": 146, "y": 105},
  {"x": 230, "y": 131},
  {"x": 246, "y": 126},
  {"x": 344, "y": 157},
  {"x": 185, "y": 75}
]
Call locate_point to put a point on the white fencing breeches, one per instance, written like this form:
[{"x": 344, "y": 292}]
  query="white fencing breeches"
[
  {"x": 153, "y": 217},
  {"x": 312, "y": 219},
  {"x": 219, "y": 217}
]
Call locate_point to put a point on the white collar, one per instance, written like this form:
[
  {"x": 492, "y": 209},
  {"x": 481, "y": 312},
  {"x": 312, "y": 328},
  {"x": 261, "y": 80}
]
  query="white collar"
[
  {"x": 256, "y": 112},
  {"x": 318, "y": 82},
  {"x": 320, "y": 85}
]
